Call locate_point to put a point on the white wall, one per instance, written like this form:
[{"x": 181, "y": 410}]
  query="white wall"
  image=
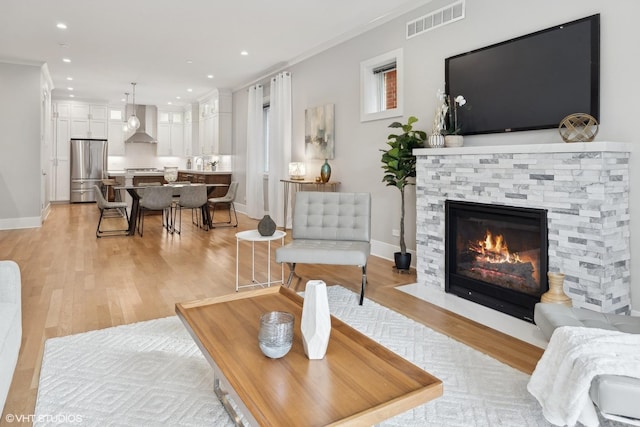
[
  {"x": 20, "y": 173},
  {"x": 333, "y": 77}
]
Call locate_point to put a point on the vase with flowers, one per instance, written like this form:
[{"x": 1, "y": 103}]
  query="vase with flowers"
[{"x": 453, "y": 127}]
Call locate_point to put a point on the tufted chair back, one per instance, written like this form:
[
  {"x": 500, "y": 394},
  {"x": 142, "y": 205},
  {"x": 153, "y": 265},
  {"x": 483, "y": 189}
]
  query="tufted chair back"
[{"x": 332, "y": 216}]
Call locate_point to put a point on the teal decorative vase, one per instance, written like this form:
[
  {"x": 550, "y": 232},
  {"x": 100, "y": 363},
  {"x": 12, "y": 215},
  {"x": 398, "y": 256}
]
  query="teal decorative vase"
[{"x": 325, "y": 171}]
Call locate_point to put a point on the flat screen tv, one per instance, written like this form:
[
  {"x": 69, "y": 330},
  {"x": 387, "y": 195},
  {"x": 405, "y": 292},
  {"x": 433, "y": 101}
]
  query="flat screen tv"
[{"x": 530, "y": 82}]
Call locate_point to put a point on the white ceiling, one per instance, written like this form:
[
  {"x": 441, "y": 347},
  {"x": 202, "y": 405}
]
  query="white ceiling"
[{"x": 112, "y": 43}]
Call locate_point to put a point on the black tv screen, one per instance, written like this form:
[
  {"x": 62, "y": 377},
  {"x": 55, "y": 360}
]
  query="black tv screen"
[{"x": 530, "y": 82}]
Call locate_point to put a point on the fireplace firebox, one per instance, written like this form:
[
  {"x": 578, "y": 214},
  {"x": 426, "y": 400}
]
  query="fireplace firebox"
[{"x": 496, "y": 255}]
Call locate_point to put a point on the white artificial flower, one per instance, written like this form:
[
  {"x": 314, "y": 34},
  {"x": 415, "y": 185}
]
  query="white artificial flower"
[{"x": 460, "y": 100}]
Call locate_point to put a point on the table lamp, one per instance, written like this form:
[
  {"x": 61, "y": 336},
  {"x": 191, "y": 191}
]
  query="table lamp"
[{"x": 297, "y": 170}]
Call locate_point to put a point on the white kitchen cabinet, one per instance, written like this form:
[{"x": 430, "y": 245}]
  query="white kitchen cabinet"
[
  {"x": 188, "y": 133},
  {"x": 61, "y": 166},
  {"x": 215, "y": 125},
  {"x": 116, "y": 131},
  {"x": 170, "y": 133},
  {"x": 89, "y": 121}
]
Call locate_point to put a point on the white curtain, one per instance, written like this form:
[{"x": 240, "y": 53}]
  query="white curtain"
[
  {"x": 255, "y": 154},
  {"x": 279, "y": 144}
]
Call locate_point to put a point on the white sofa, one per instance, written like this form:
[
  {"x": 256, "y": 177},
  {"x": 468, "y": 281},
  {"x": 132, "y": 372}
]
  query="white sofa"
[
  {"x": 10, "y": 324},
  {"x": 615, "y": 395}
]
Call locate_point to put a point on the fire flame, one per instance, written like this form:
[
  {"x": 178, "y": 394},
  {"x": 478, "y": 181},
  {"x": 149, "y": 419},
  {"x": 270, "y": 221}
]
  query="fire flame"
[{"x": 495, "y": 249}]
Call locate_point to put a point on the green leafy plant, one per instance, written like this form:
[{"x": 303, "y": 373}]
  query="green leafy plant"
[{"x": 399, "y": 163}]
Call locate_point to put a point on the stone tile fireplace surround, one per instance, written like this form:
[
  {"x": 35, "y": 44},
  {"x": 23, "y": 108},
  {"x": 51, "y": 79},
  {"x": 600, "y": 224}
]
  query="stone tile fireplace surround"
[{"x": 584, "y": 187}]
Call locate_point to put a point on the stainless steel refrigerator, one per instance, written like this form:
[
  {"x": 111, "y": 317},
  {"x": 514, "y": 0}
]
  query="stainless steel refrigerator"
[{"x": 88, "y": 168}]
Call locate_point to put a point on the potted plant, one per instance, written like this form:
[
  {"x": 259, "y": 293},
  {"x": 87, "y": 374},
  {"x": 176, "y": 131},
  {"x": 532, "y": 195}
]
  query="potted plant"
[{"x": 399, "y": 166}]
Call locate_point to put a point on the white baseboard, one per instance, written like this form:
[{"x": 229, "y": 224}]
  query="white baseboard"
[{"x": 16, "y": 223}]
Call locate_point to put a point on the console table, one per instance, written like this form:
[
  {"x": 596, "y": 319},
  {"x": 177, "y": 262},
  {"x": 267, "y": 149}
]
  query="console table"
[{"x": 298, "y": 183}]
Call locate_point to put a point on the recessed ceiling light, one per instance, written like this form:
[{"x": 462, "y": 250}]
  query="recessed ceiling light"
[
  {"x": 61, "y": 25},
  {"x": 209, "y": 76},
  {"x": 244, "y": 53},
  {"x": 66, "y": 60},
  {"x": 189, "y": 90},
  {"x": 70, "y": 78},
  {"x": 72, "y": 96},
  {"x": 170, "y": 103},
  {"x": 177, "y": 97},
  {"x": 189, "y": 61},
  {"x": 122, "y": 99},
  {"x": 69, "y": 88}
]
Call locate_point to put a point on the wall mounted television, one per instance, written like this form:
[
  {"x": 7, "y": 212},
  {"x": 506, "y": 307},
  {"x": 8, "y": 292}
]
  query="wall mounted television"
[{"x": 530, "y": 82}]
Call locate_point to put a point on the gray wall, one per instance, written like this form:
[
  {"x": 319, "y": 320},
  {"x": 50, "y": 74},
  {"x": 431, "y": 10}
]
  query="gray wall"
[
  {"x": 333, "y": 76},
  {"x": 20, "y": 144}
]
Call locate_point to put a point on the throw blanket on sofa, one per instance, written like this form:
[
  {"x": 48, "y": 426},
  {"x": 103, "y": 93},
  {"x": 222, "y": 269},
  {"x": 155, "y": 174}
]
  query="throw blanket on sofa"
[{"x": 575, "y": 355}]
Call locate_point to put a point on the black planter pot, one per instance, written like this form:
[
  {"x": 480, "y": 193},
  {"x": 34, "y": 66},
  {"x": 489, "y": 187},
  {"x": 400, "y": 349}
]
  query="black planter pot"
[{"x": 403, "y": 262}]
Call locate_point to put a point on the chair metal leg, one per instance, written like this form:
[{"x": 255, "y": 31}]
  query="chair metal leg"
[
  {"x": 364, "y": 283},
  {"x": 109, "y": 233},
  {"x": 292, "y": 269},
  {"x": 228, "y": 223}
]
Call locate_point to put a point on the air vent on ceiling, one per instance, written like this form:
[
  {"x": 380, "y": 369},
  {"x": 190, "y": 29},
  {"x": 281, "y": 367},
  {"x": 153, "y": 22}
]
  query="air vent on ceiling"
[{"x": 438, "y": 18}]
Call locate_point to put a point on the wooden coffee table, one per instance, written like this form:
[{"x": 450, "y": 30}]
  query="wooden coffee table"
[{"x": 359, "y": 382}]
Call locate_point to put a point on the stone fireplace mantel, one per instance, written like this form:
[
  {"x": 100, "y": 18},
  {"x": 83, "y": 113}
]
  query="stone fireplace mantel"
[{"x": 584, "y": 187}]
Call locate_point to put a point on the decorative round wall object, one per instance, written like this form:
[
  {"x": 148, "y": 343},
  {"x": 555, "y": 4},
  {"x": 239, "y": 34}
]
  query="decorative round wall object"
[{"x": 578, "y": 127}]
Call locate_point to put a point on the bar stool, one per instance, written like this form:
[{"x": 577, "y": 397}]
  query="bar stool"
[{"x": 107, "y": 185}]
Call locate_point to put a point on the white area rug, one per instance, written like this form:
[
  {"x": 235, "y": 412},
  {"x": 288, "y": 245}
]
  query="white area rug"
[{"x": 152, "y": 374}]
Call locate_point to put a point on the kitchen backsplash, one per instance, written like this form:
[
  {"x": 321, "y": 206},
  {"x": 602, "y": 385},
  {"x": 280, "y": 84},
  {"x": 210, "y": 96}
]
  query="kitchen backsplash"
[{"x": 144, "y": 156}]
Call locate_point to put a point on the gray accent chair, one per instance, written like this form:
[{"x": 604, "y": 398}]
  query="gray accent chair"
[
  {"x": 329, "y": 228},
  {"x": 227, "y": 199},
  {"x": 105, "y": 206},
  {"x": 614, "y": 395}
]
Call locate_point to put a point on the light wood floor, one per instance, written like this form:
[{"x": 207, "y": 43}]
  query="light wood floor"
[{"x": 73, "y": 282}]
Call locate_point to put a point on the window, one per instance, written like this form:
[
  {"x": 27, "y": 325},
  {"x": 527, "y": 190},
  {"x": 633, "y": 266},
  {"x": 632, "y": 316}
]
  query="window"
[
  {"x": 265, "y": 124},
  {"x": 381, "y": 86}
]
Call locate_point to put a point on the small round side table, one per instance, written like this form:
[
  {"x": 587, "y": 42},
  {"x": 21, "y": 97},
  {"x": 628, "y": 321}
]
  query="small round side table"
[{"x": 254, "y": 236}]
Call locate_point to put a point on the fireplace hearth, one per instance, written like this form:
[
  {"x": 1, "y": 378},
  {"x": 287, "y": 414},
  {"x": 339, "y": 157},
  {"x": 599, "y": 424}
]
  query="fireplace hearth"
[{"x": 496, "y": 255}]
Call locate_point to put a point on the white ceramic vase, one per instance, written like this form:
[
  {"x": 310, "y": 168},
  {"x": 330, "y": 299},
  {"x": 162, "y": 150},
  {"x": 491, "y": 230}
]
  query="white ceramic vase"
[
  {"x": 436, "y": 140},
  {"x": 316, "y": 320}
]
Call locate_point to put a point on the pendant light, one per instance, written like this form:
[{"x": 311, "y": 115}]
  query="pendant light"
[
  {"x": 125, "y": 123},
  {"x": 134, "y": 122}
]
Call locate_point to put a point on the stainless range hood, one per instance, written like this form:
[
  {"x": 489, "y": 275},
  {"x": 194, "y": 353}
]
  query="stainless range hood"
[{"x": 147, "y": 114}]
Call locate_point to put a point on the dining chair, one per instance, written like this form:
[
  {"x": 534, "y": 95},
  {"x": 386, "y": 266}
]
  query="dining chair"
[
  {"x": 227, "y": 199},
  {"x": 106, "y": 206},
  {"x": 192, "y": 197},
  {"x": 156, "y": 198}
]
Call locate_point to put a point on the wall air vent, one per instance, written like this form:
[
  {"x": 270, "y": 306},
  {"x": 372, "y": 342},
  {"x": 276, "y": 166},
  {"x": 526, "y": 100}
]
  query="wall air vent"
[{"x": 446, "y": 15}]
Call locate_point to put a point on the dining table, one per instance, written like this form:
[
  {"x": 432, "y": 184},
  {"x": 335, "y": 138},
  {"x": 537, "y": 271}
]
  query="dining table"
[{"x": 136, "y": 196}]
